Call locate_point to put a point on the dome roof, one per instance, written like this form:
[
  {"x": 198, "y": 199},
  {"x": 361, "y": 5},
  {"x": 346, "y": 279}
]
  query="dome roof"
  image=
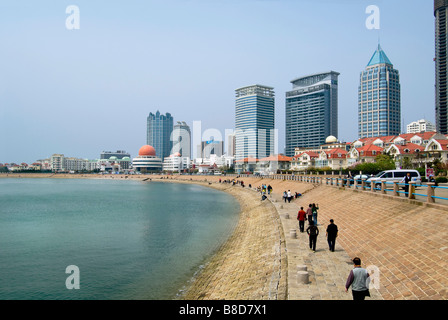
[
  {"x": 331, "y": 139},
  {"x": 113, "y": 158},
  {"x": 147, "y": 151}
]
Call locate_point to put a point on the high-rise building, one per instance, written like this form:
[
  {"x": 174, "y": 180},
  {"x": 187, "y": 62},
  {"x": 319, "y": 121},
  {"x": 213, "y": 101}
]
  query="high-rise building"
[
  {"x": 181, "y": 139},
  {"x": 231, "y": 144},
  {"x": 311, "y": 111},
  {"x": 254, "y": 122},
  {"x": 379, "y": 98},
  {"x": 441, "y": 60},
  {"x": 159, "y": 130},
  {"x": 207, "y": 148},
  {"x": 420, "y": 126}
]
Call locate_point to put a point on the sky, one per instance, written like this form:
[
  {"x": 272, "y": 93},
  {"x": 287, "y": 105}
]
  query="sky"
[{"x": 81, "y": 91}]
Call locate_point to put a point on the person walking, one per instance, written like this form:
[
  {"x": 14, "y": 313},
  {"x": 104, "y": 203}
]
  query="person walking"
[
  {"x": 285, "y": 195},
  {"x": 289, "y": 196},
  {"x": 314, "y": 213},
  {"x": 359, "y": 280},
  {"x": 312, "y": 232},
  {"x": 309, "y": 214},
  {"x": 332, "y": 233},
  {"x": 301, "y": 216}
]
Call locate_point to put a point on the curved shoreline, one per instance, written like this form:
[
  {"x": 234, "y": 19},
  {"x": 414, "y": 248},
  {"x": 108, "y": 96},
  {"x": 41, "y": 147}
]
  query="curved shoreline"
[{"x": 250, "y": 265}]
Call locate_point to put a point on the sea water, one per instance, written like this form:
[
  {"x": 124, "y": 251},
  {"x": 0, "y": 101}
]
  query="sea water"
[{"x": 128, "y": 239}]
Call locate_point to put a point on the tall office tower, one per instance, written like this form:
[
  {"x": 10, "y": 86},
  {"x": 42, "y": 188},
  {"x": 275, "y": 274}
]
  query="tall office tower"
[
  {"x": 254, "y": 122},
  {"x": 231, "y": 145},
  {"x": 379, "y": 98},
  {"x": 441, "y": 25},
  {"x": 181, "y": 138},
  {"x": 159, "y": 131},
  {"x": 311, "y": 111},
  {"x": 207, "y": 148}
]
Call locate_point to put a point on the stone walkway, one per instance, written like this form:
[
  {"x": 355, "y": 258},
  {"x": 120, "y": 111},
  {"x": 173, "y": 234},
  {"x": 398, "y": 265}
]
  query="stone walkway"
[
  {"x": 328, "y": 271},
  {"x": 406, "y": 243}
]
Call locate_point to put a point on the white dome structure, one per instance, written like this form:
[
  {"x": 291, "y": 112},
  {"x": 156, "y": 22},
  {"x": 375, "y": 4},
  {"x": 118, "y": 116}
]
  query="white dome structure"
[{"x": 331, "y": 139}]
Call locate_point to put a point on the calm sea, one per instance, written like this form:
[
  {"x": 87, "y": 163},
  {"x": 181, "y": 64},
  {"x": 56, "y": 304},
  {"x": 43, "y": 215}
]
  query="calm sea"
[{"x": 129, "y": 239}]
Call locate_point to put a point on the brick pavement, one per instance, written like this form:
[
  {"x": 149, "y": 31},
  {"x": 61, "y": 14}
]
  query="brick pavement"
[{"x": 407, "y": 242}]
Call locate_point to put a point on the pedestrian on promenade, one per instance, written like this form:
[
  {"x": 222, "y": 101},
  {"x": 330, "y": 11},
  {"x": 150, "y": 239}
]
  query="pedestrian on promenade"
[
  {"x": 314, "y": 213},
  {"x": 285, "y": 195},
  {"x": 406, "y": 181},
  {"x": 301, "y": 216},
  {"x": 313, "y": 232},
  {"x": 359, "y": 280},
  {"x": 332, "y": 233},
  {"x": 309, "y": 214},
  {"x": 269, "y": 189},
  {"x": 289, "y": 196}
]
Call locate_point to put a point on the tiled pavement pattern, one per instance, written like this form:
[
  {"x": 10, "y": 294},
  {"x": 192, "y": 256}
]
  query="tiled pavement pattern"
[{"x": 408, "y": 243}]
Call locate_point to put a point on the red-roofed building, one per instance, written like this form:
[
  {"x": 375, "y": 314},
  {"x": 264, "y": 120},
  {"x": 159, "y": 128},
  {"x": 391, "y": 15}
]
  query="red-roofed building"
[
  {"x": 366, "y": 153},
  {"x": 304, "y": 160},
  {"x": 335, "y": 159},
  {"x": 437, "y": 149},
  {"x": 273, "y": 164},
  {"x": 248, "y": 164}
]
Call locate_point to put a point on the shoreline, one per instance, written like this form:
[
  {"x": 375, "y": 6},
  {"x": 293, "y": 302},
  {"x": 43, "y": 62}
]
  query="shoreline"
[{"x": 234, "y": 271}]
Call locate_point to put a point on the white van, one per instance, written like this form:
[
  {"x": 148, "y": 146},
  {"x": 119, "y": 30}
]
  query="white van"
[{"x": 394, "y": 175}]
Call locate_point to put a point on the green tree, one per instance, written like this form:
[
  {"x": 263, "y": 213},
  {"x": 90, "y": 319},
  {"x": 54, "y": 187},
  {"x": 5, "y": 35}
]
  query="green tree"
[{"x": 384, "y": 162}]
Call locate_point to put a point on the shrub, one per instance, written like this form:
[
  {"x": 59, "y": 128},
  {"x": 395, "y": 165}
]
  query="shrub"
[{"x": 441, "y": 180}]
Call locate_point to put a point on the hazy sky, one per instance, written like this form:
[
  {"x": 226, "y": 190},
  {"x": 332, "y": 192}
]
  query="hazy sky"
[{"x": 79, "y": 92}]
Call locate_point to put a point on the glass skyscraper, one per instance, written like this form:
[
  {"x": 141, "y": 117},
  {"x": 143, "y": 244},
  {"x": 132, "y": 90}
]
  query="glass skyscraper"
[
  {"x": 441, "y": 26},
  {"x": 159, "y": 130},
  {"x": 311, "y": 111},
  {"x": 254, "y": 122},
  {"x": 379, "y": 98},
  {"x": 181, "y": 139}
]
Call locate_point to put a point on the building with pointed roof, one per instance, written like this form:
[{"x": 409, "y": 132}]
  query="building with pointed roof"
[{"x": 379, "y": 98}]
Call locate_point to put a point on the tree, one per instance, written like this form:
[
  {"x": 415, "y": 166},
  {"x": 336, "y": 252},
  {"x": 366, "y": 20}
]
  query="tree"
[{"x": 385, "y": 162}]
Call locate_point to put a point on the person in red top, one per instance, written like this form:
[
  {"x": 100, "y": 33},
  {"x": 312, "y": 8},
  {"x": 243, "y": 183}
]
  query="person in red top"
[{"x": 301, "y": 217}]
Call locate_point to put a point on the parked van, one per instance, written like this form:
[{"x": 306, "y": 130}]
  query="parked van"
[{"x": 394, "y": 175}]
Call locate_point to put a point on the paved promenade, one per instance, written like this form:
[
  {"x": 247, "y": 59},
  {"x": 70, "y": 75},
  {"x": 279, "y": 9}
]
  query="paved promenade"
[{"x": 406, "y": 243}]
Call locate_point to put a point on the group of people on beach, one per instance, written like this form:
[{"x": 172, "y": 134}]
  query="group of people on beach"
[{"x": 287, "y": 196}]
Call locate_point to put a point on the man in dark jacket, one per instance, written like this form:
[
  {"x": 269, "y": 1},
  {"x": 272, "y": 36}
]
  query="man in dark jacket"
[
  {"x": 332, "y": 233},
  {"x": 313, "y": 232}
]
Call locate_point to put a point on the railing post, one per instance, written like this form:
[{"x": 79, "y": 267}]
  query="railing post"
[
  {"x": 411, "y": 190},
  {"x": 363, "y": 184},
  {"x": 430, "y": 193},
  {"x": 396, "y": 194},
  {"x": 383, "y": 186}
]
